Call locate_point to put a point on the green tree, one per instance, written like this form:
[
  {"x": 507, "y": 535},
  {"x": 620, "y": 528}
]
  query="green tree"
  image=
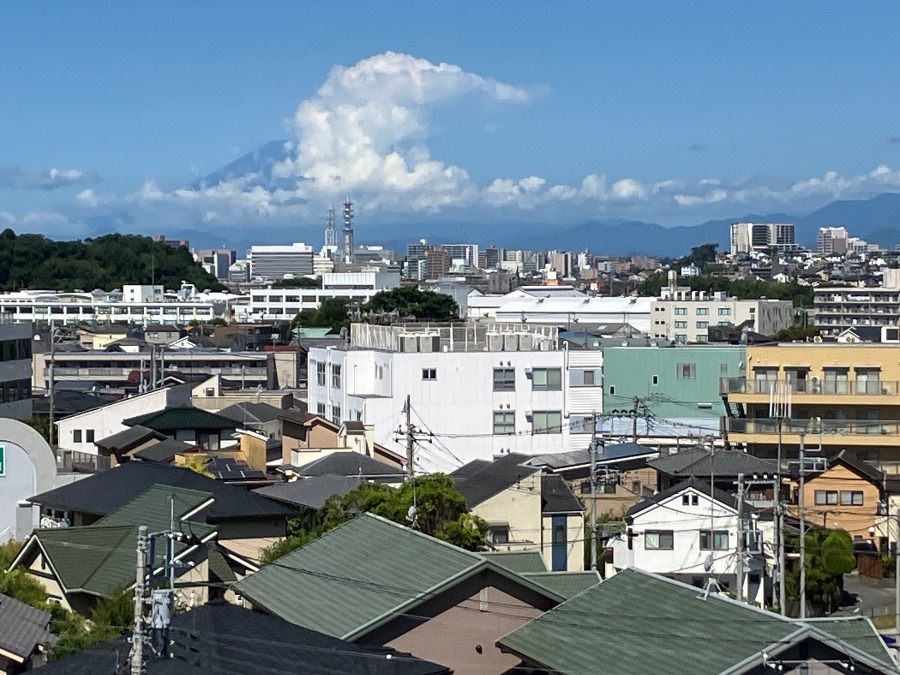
[
  {"x": 699, "y": 256},
  {"x": 829, "y": 555},
  {"x": 412, "y": 301},
  {"x": 332, "y": 313},
  {"x": 41, "y": 424},
  {"x": 797, "y": 333},
  {"x": 441, "y": 512}
]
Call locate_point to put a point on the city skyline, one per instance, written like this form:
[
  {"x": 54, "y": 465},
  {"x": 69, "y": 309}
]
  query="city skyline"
[{"x": 673, "y": 114}]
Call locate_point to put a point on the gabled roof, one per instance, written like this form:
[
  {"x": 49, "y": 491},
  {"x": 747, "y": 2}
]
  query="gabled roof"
[
  {"x": 557, "y": 496},
  {"x": 577, "y": 458},
  {"x": 479, "y": 485},
  {"x": 698, "y": 462},
  {"x": 106, "y": 491},
  {"x": 128, "y": 439},
  {"x": 186, "y": 417},
  {"x": 314, "y": 586},
  {"x": 71, "y": 401},
  {"x": 22, "y": 627},
  {"x": 220, "y": 637},
  {"x": 347, "y": 463},
  {"x": 249, "y": 411},
  {"x": 99, "y": 558},
  {"x": 229, "y": 468},
  {"x": 643, "y": 623},
  {"x": 310, "y": 492},
  {"x": 720, "y": 496},
  {"x": 519, "y": 561},
  {"x": 857, "y": 466},
  {"x": 566, "y": 584}
]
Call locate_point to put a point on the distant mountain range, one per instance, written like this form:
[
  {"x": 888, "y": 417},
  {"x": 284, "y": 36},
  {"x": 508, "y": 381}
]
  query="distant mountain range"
[{"x": 876, "y": 220}]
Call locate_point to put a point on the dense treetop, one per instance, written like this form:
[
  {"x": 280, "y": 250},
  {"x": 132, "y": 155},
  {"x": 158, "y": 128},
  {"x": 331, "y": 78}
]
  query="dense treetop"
[{"x": 107, "y": 262}]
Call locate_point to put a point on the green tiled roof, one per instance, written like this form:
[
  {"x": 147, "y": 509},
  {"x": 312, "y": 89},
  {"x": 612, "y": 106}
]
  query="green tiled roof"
[
  {"x": 519, "y": 561},
  {"x": 363, "y": 573},
  {"x": 856, "y": 631},
  {"x": 187, "y": 417},
  {"x": 99, "y": 558},
  {"x": 566, "y": 584},
  {"x": 643, "y": 623}
]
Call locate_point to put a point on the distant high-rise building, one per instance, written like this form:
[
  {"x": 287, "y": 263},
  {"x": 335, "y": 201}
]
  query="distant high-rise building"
[
  {"x": 347, "y": 247},
  {"x": 330, "y": 238},
  {"x": 832, "y": 240},
  {"x": 276, "y": 262},
  {"x": 217, "y": 261},
  {"x": 492, "y": 257},
  {"x": 747, "y": 237},
  {"x": 465, "y": 255}
]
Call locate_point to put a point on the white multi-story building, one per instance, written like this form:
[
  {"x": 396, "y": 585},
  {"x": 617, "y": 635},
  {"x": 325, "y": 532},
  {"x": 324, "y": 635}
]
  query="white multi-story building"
[
  {"x": 269, "y": 304},
  {"x": 682, "y": 315},
  {"x": 134, "y": 304},
  {"x": 747, "y": 237},
  {"x": 481, "y": 390},
  {"x": 840, "y": 308},
  {"x": 832, "y": 240},
  {"x": 278, "y": 262}
]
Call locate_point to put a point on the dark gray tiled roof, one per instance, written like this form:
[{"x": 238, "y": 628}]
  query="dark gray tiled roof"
[
  {"x": 347, "y": 464},
  {"x": 125, "y": 440},
  {"x": 720, "y": 496},
  {"x": 697, "y": 462},
  {"x": 22, "y": 627},
  {"x": 164, "y": 451},
  {"x": 223, "y": 638},
  {"x": 574, "y": 458},
  {"x": 310, "y": 492},
  {"x": 557, "y": 497},
  {"x": 250, "y": 412},
  {"x": 492, "y": 478}
]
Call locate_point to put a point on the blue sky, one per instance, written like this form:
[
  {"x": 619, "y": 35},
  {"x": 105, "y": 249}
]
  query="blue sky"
[{"x": 562, "y": 112}]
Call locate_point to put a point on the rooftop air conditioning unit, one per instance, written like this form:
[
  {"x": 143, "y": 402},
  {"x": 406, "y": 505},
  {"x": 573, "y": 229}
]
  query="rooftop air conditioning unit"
[{"x": 494, "y": 341}]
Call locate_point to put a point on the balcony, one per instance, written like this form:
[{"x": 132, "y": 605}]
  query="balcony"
[
  {"x": 846, "y": 433},
  {"x": 810, "y": 390}
]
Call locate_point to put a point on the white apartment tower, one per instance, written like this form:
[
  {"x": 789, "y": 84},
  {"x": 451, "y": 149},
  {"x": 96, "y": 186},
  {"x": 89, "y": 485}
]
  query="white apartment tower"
[
  {"x": 476, "y": 391},
  {"x": 347, "y": 244},
  {"x": 747, "y": 237},
  {"x": 832, "y": 240}
]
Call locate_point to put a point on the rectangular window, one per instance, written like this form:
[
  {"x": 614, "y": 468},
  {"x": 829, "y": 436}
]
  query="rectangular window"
[
  {"x": 499, "y": 534},
  {"x": 547, "y": 422},
  {"x": 826, "y": 497},
  {"x": 723, "y": 368},
  {"x": 681, "y": 324},
  {"x": 89, "y": 436},
  {"x": 681, "y": 311},
  {"x": 659, "y": 540},
  {"x": 724, "y": 311},
  {"x": 581, "y": 424},
  {"x": 320, "y": 409},
  {"x": 429, "y": 374},
  {"x": 689, "y": 500},
  {"x": 336, "y": 414},
  {"x": 686, "y": 371},
  {"x": 851, "y": 498},
  {"x": 504, "y": 379},
  {"x": 583, "y": 378},
  {"x": 680, "y": 337},
  {"x": 702, "y": 338},
  {"x": 716, "y": 540},
  {"x": 546, "y": 379},
  {"x": 76, "y": 436},
  {"x": 703, "y": 324},
  {"x": 504, "y": 422},
  {"x": 320, "y": 373},
  {"x": 703, "y": 311},
  {"x": 336, "y": 375}
]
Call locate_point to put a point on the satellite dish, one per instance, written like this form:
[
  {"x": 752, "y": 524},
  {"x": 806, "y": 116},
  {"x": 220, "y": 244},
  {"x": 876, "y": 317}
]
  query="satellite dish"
[{"x": 708, "y": 563}]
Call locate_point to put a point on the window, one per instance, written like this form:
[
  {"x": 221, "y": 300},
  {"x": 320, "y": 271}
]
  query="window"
[
  {"x": 504, "y": 422},
  {"x": 89, "y": 436},
  {"x": 724, "y": 323},
  {"x": 724, "y": 311},
  {"x": 583, "y": 378},
  {"x": 702, "y": 338},
  {"x": 680, "y": 337},
  {"x": 659, "y": 540},
  {"x": 581, "y": 424},
  {"x": 687, "y": 371},
  {"x": 336, "y": 375},
  {"x": 504, "y": 379},
  {"x": 547, "y": 422},
  {"x": 826, "y": 497},
  {"x": 612, "y": 390},
  {"x": 723, "y": 368},
  {"x": 429, "y": 374},
  {"x": 320, "y": 373},
  {"x": 654, "y": 380},
  {"x": 681, "y": 324},
  {"x": 868, "y": 381},
  {"x": 76, "y": 436},
  {"x": 499, "y": 534},
  {"x": 689, "y": 500},
  {"x": 681, "y": 311},
  {"x": 703, "y": 311},
  {"x": 703, "y": 324},
  {"x": 546, "y": 379},
  {"x": 851, "y": 498},
  {"x": 336, "y": 414},
  {"x": 716, "y": 540},
  {"x": 320, "y": 409}
]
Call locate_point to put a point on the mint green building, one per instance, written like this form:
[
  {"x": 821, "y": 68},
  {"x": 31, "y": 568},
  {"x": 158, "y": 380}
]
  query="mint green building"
[{"x": 673, "y": 388}]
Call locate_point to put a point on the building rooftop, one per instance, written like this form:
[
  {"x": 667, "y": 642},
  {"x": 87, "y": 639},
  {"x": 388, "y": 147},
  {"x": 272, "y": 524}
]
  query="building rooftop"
[
  {"x": 312, "y": 492},
  {"x": 490, "y": 479},
  {"x": 22, "y": 627}
]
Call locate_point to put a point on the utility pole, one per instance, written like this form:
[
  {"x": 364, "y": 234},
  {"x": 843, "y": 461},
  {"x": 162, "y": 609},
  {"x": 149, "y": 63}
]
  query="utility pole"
[
  {"x": 740, "y": 539},
  {"x": 410, "y": 440},
  {"x": 596, "y": 445},
  {"x": 779, "y": 409},
  {"x": 52, "y": 428},
  {"x": 137, "y": 638},
  {"x": 802, "y": 530},
  {"x": 634, "y": 413},
  {"x": 896, "y": 569}
]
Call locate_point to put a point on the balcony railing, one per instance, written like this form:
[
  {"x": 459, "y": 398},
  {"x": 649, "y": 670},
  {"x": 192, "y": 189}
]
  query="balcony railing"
[
  {"x": 743, "y": 385},
  {"x": 739, "y": 425}
]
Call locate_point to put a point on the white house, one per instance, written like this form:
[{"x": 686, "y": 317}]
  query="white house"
[
  {"x": 475, "y": 391},
  {"x": 685, "y": 534},
  {"x": 76, "y": 434}
]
